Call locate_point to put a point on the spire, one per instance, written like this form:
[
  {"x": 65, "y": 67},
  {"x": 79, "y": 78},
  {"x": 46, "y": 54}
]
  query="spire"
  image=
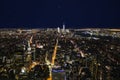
[{"x": 63, "y": 30}]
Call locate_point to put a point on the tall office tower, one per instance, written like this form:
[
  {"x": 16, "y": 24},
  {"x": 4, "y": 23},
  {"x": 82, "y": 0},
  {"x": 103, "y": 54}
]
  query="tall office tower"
[
  {"x": 28, "y": 54},
  {"x": 63, "y": 30},
  {"x": 29, "y": 48},
  {"x": 58, "y": 29},
  {"x": 34, "y": 50}
]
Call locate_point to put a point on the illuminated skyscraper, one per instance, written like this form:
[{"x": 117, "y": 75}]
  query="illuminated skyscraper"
[
  {"x": 63, "y": 30},
  {"x": 58, "y": 29},
  {"x": 29, "y": 48}
]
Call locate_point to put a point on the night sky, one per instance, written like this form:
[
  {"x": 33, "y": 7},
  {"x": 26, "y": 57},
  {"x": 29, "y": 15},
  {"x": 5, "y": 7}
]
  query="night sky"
[{"x": 53, "y": 13}]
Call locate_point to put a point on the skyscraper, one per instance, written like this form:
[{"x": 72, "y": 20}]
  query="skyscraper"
[{"x": 63, "y": 30}]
